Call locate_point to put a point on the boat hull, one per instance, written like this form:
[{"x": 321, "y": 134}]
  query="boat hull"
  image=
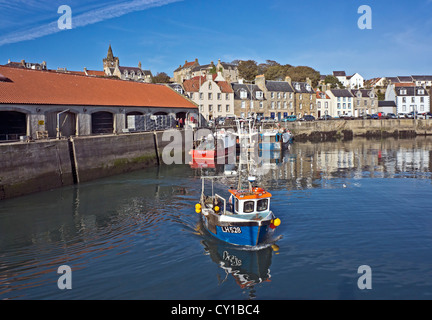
[{"x": 241, "y": 234}]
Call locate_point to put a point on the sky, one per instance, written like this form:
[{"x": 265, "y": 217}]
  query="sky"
[{"x": 163, "y": 34}]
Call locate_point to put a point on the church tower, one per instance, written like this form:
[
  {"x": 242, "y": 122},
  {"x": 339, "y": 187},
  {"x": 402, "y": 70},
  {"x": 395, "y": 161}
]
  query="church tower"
[{"x": 110, "y": 63}]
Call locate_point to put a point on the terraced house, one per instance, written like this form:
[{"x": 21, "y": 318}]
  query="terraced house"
[
  {"x": 305, "y": 98},
  {"x": 248, "y": 99},
  {"x": 365, "y": 102},
  {"x": 341, "y": 102},
  {"x": 213, "y": 95},
  {"x": 279, "y": 98}
]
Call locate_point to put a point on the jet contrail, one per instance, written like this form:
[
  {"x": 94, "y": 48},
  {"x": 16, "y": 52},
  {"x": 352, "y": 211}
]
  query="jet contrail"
[{"x": 84, "y": 19}]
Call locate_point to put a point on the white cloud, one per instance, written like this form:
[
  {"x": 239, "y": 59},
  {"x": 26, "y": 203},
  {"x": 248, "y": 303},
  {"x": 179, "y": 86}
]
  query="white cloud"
[{"x": 84, "y": 19}]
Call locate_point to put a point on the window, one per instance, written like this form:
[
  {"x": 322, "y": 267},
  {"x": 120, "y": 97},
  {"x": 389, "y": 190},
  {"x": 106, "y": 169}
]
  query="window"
[
  {"x": 403, "y": 99},
  {"x": 285, "y": 105},
  {"x": 210, "y": 96},
  {"x": 310, "y": 97},
  {"x": 285, "y": 95},
  {"x": 272, "y": 105},
  {"x": 272, "y": 95},
  {"x": 344, "y": 105},
  {"x": 326, "y": 105},
  {"x": 201, "y": 96},
  {"x": 420, "y": 91},
  {"x": 338, "y": 105},
  {"x": 404, "y": 108},
  {"x": 278, "y": 95},
  {"x": 278, "y": 104},
  {"x": 210, "y": 86},
  {"x": 311, "y": 106},
  {"x": 261, "y": 104},
  {"x": 422, "y": 99},
  {"x": 227, "y": 96},
  {"x": 421, "y": 108},
  {"x": 219, "y": 108},
  {"x": 227, "y": 108},
  {"x": 259, "y": 94},
  {"x": 243, "y": 104},
  {"x": 201, "y": 108},
  {"x": 300, "y": 96},
  {"x": 412, "y": 99},
  {"x": 301, "y": 105},
  {"x": 319, "y": 105},
  {"x": 243, "y": 94},
  {"x": 236, "y": 205},
  {"x": 262, "y": 205},
  {"x": 219, "y": 96},
  {"x": 291, "y": 104},
  {"x": 291, "y": 95},
  {"x": 210, "y": 107}
]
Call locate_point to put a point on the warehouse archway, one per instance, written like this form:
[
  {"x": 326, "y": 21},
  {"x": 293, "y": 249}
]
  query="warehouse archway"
[
  {"x": 13, "y": 124},
  {"x": 102, "y": 122}
]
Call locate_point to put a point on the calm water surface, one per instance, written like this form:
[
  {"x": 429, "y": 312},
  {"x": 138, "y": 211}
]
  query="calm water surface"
[{"x": 137, "y": 236}]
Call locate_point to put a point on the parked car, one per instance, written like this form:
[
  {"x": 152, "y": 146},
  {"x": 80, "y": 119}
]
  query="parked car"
[
  {"x": 374, "y": 116},
  {"x": 308, "y": 117},
  {"x": 325, "y": 117},
  {"x": 346, "y": 117},
  {"x": 289, "y": 119},
  {"x": 427, "y": 115},
  {"x": 391, "y": 116},
  {"x": 268, "y": 119},
  {"x": 401, "y": 115}
]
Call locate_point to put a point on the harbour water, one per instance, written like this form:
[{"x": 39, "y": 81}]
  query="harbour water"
[{"x": 136, "y": 236}]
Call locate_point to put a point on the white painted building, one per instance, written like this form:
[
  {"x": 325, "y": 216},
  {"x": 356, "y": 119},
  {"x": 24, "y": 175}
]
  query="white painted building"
[
  {"x": 342, "y": 102},
  {"x": 408, "y": 98},
  {"x": 356, "y": 81}
]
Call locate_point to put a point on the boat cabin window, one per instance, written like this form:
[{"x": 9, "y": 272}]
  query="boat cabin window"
[
  {"x": 236, "y": 205},
  {"x": 262, "y": 205},
  {"x": 248, "y": 206}
]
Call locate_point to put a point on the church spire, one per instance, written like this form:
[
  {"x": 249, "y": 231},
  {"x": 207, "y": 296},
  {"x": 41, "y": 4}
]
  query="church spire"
[{"x": 110, "y": 55}]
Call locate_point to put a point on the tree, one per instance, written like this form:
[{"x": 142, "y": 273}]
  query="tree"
[
  {"x": 161, "y": 77},
  {"x": 334, "y": 82},
  {"x": 301, "y": 73},
  {"x": 248, "y": 70}
]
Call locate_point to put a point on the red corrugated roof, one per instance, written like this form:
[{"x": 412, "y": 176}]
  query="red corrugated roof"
[{"x": 48, "y": 88}]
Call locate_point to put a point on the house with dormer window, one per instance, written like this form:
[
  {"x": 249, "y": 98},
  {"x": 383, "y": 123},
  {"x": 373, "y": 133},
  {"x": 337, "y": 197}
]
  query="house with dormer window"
[
  {"x": 279, "y": 97},
  {"x": 365, "y": 102},
  {"x": 305, "y": 98},
  {"x": 408, "y": 98}
]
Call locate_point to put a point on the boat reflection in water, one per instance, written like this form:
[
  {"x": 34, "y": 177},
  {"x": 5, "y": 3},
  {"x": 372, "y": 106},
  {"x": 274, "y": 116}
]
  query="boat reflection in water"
[{"x": 248, "y": 267}]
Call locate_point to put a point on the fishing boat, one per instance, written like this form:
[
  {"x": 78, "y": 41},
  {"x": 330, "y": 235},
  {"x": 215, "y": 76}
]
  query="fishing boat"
[
  {"x": 214, "y": 147},
  {"x": 245, "y": 218},
  {"x": 275, "y": 140}
]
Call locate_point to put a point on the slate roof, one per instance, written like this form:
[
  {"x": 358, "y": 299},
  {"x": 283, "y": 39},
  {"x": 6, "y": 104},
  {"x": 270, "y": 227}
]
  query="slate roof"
[
  {"x": 341, "y": 93},
  {"x": 365, "y": 93},
  {"x": 37, "y": 87},
  {"x": 386, "y": 104},
  {"x": 339, "y": 73},
  {"x": 410, "y": 91},
  {"x": 278, "y": 86},
  {"x": 422, "y": 78},
  {"x": 302, "y": 87},
  {"x": 237, "y": 87}
]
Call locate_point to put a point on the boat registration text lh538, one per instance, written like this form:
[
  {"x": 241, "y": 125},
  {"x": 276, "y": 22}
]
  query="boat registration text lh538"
[{"x": 231, "y": 229}]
